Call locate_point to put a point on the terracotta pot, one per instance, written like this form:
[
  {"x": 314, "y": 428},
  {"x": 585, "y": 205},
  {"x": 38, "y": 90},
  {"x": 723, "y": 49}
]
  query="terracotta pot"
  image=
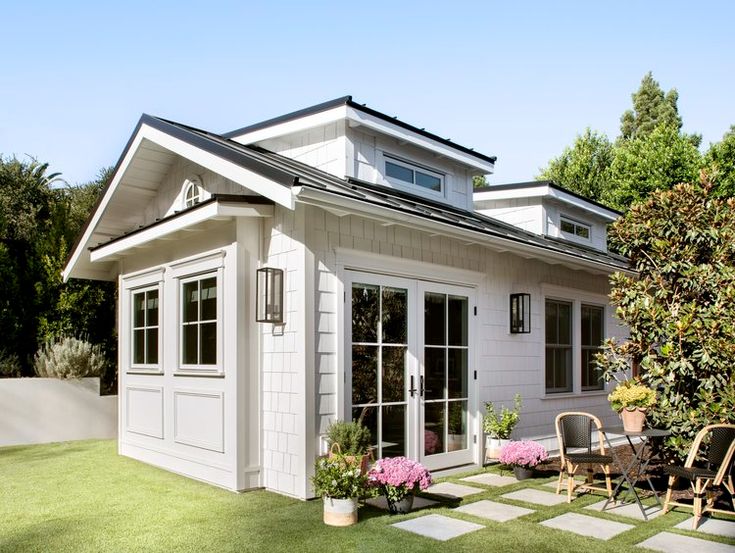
[
  {"x": 633, "y": 419},
  {"x": 340, "y": 512},
  {"x": 522, "y": 473}
]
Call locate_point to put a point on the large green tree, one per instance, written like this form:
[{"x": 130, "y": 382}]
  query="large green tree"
[
  {"x": 585, "y": 167},
  {"x": 720, "y": 160},
  {"x": 651, "y": 109},
  {"x": 680, "y": 306}
]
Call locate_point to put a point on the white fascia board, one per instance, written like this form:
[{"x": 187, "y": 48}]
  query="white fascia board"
[
  {"x": 184, "y": 220},
  {"x": 296, "y": 125},
  {"x": 511, "y": 194},
  {"x": 324, "y": 199},
  {"x": 356, "y": 117},
  {"x": 579, "y": 203}
]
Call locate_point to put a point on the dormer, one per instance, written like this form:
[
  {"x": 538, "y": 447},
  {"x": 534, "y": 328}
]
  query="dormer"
[
  {"x": 350, "y": 140},
  {"x": 547, "y": 209}
]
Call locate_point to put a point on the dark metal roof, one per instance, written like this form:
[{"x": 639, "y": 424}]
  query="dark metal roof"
[
  {"x": 347, "y": 101},
  {"x": 549, "y": 183}
]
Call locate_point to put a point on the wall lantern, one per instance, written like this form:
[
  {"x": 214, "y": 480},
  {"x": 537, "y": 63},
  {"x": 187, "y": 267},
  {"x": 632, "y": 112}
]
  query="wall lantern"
[
  {"x": 520, "y": 313},
  {"x": 269, "y": 293}
]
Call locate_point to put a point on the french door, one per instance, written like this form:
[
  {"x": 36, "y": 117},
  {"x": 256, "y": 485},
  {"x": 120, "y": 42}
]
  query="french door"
[{"x": 408, "y": 358}]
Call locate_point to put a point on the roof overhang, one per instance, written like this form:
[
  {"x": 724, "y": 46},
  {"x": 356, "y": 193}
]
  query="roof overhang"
[
  {"x": 146, "y": 160},
  {"x": 342, "y": 205},
  {"x": 543, "y": 190}
]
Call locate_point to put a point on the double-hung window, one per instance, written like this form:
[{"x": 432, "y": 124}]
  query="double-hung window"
[
  {"x": 558, "y": 346},
  {"x": 593, "y": 331},
  {"x": 145, "y": 319},
  {"x": 199, "y": 322},
  {"x": 404, "y": 173}
]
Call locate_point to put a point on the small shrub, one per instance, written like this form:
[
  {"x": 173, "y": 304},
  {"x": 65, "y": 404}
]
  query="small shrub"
[
  {"x": 353, "y": 438},
  {"x": 339, "y": 477},
  {"x": 69, "y": 357},
  {"x": 523, "y": 453},
  {"x": 9, "y": 365},
  {"x": 501, "y": 424}
]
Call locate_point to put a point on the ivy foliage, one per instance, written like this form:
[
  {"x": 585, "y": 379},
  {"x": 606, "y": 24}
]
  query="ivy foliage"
[{"x": 680, "y": 307}]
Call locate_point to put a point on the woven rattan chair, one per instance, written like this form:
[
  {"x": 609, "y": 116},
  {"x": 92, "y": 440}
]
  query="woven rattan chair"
[
  {"x": 714, "y": 445},
  {"x": 574, "y": 431}
]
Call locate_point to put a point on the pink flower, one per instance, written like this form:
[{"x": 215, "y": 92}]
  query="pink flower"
[
  {"x": 523, "y": 453},
  {"x": 400, "y": 472}
]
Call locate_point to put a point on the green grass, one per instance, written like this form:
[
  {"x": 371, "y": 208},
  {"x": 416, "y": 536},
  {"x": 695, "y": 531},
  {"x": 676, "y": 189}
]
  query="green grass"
[{"x": 82, "y": 496}]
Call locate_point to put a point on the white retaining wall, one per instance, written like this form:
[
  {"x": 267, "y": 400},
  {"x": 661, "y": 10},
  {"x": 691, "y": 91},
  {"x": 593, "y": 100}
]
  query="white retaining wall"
[{"x": 43, "y": 410}]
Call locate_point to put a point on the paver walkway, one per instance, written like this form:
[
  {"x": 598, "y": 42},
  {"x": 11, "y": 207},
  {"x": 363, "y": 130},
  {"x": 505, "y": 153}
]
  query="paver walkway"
[
  {"x": 438, "y": 527},
  {"x": 490, "y": 479},
  {"x": 587, "y": 526},
  {"x": 716, "y": 527},
  {"x": 676, "y": 543},
  {"x": 530, "y": 495},
  {"x": 630, "y": 510},
  {"x": 453, "y": 491},
  {"x": 499, "y": 512}
]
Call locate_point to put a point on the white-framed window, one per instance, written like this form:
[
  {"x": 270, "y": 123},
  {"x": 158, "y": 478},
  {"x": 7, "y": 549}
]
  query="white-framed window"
[
  {"x": 571, "y": 228},
  {"x": 404, "y": 173},
  {"x": 192, "y": 191},
  {"x": 145, "y": 328},
  {"x": 199, "y": 322},
  {"x": 574, "y": 332}
]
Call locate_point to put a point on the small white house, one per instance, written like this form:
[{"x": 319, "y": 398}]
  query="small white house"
[{"x": 334, "y": 262}]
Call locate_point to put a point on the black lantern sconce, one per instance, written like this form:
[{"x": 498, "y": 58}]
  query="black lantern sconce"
[
  {"x": 269, "y": 292},
  {"x": 520, "y": 313}
]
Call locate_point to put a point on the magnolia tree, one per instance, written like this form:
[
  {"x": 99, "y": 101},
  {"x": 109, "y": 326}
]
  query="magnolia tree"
[{"x": 679, "y": 307}]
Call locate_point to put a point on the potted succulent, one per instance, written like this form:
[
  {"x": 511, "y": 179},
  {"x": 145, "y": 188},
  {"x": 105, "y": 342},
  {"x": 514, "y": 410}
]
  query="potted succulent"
[
  {"x": 398, "y": 479},
  {"x": 523, "y": 456},
  {"x": 631, "y": 399},
  {"x": 340, "y": 482},
  {"x": 498, "y": 426},
  {"x": 351, "y": 439}
]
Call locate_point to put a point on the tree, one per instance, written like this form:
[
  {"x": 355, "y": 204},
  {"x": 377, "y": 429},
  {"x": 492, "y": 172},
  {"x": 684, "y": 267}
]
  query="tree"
[
  {"x": 585, "y": 167},
  {"x": 651, "y": 108},
  {"x": 720, "y": 160},
  {"x": 479, "y": 181},
  {"x": 680, "y": 307},
  {"x": 657, "y": 160}
]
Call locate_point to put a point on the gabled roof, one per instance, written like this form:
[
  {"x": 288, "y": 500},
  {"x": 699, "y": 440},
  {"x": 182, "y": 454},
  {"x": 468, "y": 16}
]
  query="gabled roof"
[
  {"x": 348, "y": 102},
  {"x": 309, "y": 184}
]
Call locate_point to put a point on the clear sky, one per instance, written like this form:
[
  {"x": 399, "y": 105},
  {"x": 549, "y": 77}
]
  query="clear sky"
[{"x": 514, "y": 79}]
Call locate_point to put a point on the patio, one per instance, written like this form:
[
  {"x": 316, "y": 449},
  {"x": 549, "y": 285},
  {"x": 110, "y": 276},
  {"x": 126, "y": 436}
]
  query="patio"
[{"x": 81, "y": 496}]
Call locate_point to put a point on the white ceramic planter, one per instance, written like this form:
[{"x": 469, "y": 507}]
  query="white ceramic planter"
[
  {"x": 340, "y": 512},
  {"x": 492, "y": 447}
]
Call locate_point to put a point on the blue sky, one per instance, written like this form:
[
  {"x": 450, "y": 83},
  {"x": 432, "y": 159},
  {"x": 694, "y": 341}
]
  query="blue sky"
[{"x": 514, "y": 79}]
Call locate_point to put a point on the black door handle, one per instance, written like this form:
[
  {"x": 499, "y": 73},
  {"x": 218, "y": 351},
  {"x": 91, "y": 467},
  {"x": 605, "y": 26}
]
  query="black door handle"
[
  {"x": 412, "y": 390},
  {"x": 422, "y": 385}
]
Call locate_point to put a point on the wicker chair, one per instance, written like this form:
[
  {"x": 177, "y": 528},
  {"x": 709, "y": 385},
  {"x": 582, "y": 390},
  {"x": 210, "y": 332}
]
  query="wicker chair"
[
  {"x": 719, "y": 440},
  {"x": 574, "y": 431}
]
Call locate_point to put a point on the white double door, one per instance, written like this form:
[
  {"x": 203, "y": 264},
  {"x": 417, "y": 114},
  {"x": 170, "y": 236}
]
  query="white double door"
[{"x": 409, "y": 373}]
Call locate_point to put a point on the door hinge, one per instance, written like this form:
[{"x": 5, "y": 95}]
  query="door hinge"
[
  {"x": 475, "y": 308},
  {"x": 475, "y": 375},
  {"x": 474, "y": 438},
  {"x": 344, "y": 296}
]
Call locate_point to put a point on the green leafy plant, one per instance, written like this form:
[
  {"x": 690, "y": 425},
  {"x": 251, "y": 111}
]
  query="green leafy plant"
[
  {"x": 9, "y": 365},
  {"x": 69, "y": 357},
  {"x": 500, "y": 425},
  {"x": 352, "y": 437},
  {"x": 339, "y": 477},
  {"x": 679, "y": 308},
  {"x": 630, "y": 394}
]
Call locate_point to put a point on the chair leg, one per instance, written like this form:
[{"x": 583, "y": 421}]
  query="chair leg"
[
  {"x": 590, "y": 475},
  {"x": 608, "y": 482},
  {"x": 697, "y": 503},
  {"x": 570, "y": 481},
  {"x": 669, "y": 490},
  {"x": 559, "y": 481}
]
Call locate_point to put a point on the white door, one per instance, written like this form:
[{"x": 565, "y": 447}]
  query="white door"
[{"x": 408, "y": 367}]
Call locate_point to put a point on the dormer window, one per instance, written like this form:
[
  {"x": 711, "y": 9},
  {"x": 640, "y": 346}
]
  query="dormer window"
[
  {"x": 192, "y": 191},
  {"x": 574, "y": 229},
  {"x": 401, "y": 172}
]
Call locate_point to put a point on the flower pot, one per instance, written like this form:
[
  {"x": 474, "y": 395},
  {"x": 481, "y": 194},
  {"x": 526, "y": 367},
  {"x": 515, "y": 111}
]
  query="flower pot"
[
  {"x": 522, "y": 473},
  {"x": 633, "y": 419},
  {"x": 402, "y": 506},
  {"x": 493, "y": 446},
  {"x": 340, "y": 512}
]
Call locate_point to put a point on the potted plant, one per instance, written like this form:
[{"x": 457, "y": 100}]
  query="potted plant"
[
  {"x": 351, "y": 439},
  {"x": 340, "y": 482},
  {"x": 398, "y": 479},
  {"x": 523, "y": 456},
  {"x": 631, "y": 399},
  {"x": 499, "y": 426}
]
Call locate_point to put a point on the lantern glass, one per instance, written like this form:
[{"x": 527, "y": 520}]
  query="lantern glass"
[
  {"x": 520, "y": 313},
  {"x": 269, "y": 292}
]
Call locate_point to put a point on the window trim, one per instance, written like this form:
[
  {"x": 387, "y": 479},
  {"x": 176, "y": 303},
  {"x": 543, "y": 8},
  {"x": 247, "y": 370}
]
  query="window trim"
[
  {"x": 582, "y": 347},
  {"x": 570, "y": 386},
  {"x": 577, "y": 225},
  {"x": 413, "y": 166},
  {"x": 199, "y": 368},
  {"x": 194, "y": 183},
  {"x": 147, "y": 367}
]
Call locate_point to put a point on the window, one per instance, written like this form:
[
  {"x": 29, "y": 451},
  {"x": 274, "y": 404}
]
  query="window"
[
  {"x": 199, "y": 321},
  {"x": 593, "y": 332},
  {"x": 145, "y": 328},
  {"x": 575, "y": 229},
  {"x": 558, "y": 346},
  {"x": 192, "y": 191},
  {"x": 407, "y": 173}
]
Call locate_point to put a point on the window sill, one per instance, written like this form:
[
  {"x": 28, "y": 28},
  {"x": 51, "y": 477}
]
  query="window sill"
[
  {"x": 153, "y": 372},
  {"x": 202, "y": 374},
  {"x": 569, "y": 395}
]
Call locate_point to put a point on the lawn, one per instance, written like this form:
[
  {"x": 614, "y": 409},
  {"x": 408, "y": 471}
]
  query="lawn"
[{"x": 82, "y": 496}]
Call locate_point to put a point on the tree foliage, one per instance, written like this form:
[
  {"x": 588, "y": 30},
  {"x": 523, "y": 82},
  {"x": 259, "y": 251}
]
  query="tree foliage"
[
  {"x": 720, "y": 160},
  {"x": 652, "y": 108},
  {"x": 585, "y": 167},
  {"x": 680, "y": 307}
]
